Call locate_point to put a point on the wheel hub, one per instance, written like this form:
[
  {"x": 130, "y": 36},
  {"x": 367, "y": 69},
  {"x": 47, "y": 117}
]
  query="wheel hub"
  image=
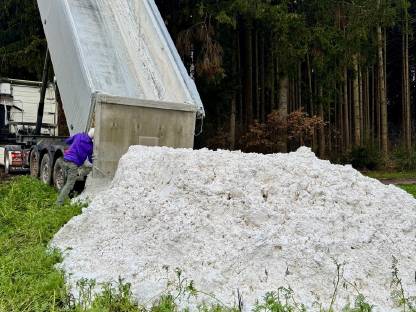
[
  {"x": 59, "y": 179},
  {"x": 45, "y": 172}
]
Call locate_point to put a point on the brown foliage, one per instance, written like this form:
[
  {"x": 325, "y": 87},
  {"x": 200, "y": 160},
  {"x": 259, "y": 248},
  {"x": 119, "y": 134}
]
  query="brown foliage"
[
  {"x": 301, "y": 126},
  {"x": 210, "y": 54},
  {"x": 277, "y": 132}
]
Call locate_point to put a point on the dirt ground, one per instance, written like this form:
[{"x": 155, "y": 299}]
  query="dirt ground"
[
  {"x": 4, "y": 177},
  {"x": 399, "y": 181}
]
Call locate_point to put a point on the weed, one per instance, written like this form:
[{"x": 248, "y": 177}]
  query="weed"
[
  {"x": 360, "y": 305},
  {"x": 111, "y": 298},
  {"x": 278, "y": 302},
  {"x": 397, "y": 292},
  {"x": 336, "y": 285},
  {"x": 185, "y": 288}
]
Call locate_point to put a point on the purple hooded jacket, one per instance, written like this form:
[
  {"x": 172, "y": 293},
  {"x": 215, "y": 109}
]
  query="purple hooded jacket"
[{"x": 81, "y": 148}]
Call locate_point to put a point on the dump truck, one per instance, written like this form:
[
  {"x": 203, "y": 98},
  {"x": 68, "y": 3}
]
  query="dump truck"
[{"x": 117, "y": 69}]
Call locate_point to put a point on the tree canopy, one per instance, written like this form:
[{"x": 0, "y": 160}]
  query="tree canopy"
[{"x": 348, "y": 63}]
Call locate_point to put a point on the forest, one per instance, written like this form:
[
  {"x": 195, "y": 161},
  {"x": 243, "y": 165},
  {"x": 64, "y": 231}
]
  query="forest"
[{"x": 338, "y": 76}]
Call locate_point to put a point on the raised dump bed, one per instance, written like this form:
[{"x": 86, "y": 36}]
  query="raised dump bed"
[
  {"x": 121, "y": 122},
  {"x": 118, "y": 69}
]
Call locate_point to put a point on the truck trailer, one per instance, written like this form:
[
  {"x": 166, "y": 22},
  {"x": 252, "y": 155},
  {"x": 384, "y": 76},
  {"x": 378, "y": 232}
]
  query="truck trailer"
[{"x": 19, "y": 100}]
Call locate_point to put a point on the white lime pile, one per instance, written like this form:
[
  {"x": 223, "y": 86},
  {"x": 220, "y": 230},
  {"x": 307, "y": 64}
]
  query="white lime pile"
[{"x": 250, "y": 222}]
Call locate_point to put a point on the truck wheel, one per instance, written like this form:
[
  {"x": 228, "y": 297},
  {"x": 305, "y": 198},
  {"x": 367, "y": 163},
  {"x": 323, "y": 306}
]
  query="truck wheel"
[
  {"x": 45, "y": 170},
  {"x": 6, "y": 163},
  {"x": 59, "y": 177},
  {"x": 34, "y": 164}
]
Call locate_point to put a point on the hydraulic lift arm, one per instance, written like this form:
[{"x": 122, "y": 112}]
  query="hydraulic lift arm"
[{"x": 41, "y": 106}]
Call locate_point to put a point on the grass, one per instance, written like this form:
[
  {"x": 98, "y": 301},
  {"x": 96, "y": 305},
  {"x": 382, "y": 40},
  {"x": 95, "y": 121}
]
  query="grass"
[
  {"x": 411, "y": 189},
  {"x": 29, "y": 281},
  {"x": 383, "y": 175},
  {"x": 28, "y": 221},
  {"x": 391, "y": 175}
]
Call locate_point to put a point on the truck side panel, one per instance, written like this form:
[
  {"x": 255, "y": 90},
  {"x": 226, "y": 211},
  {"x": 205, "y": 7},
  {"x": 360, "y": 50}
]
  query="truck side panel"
[{"x": 25, "y": 106}]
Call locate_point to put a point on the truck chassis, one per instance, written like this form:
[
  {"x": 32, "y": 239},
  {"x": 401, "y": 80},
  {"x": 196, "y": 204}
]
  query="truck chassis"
[{"x": 41, "y": 156}]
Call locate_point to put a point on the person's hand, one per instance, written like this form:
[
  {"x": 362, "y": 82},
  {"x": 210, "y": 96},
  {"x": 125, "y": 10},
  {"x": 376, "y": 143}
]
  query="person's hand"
[{"x": 87, "y": 163}]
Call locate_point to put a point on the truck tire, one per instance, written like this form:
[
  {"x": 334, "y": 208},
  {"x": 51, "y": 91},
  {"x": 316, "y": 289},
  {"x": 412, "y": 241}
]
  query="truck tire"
[
  {"x": 45, "y": 170},
  {"x": 6, "y": 163},
  {"x": 34, "y": 164},
  {"x": 59, "y": 176}
]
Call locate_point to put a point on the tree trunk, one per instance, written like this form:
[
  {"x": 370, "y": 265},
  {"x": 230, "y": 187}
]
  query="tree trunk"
[
  {"x": 385, "y": 60},
  {"x": 256, "y": 85},
  {"x": 378, "y": 108},
  {"x": 283, "y": 105},
  {"x": 283, "y": 95},
  {"x": 367, "y": 107},
  {"x": 361, "y": 84},
  {"x": 330, "y": 124},
  {"x": 309, "y": 70},
  {"x": 340, "y": 120},
  {"x": 311, "y": 98},
  {"x": 277, "y": 82},
  {"x": 373, "y": 106},
  {"x": 273, "y": 83},
  {"x": 382, "y": 90},
  {"x": 262, "y": 79},
  {"x": 321, "y": 131},
  {"x": 248, "y": 77},
  {"x": 406, "y": 123},
  {"x": 233, "y": 121},
  {"x": 357, "y": 106},
  {"x": 350, "y": 108},
  {"x": 347, "y": 140},
  {"x": 240, "y": 82},
  {"x": 300, "y": 86},
  {"x": 233, "y": 108},
  {"x": 292, "y": 95}
]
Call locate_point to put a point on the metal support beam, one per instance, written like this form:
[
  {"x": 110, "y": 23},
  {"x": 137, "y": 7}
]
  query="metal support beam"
[{"x": 41, "y": 106}]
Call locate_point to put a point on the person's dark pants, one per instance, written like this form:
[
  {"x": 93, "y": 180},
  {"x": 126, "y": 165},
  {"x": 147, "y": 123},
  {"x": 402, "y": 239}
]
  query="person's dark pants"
[{"x": 71, "y": 173}]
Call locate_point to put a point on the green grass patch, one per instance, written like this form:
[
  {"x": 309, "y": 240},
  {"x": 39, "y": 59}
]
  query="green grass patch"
[
  {"x": 380, "y": 175},
  {"x": 28, "y": 221},
  {"x": 411, "y": 188}
]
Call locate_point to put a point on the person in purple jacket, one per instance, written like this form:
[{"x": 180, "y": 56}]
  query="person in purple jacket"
[{"x": 81, "y": 148}]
